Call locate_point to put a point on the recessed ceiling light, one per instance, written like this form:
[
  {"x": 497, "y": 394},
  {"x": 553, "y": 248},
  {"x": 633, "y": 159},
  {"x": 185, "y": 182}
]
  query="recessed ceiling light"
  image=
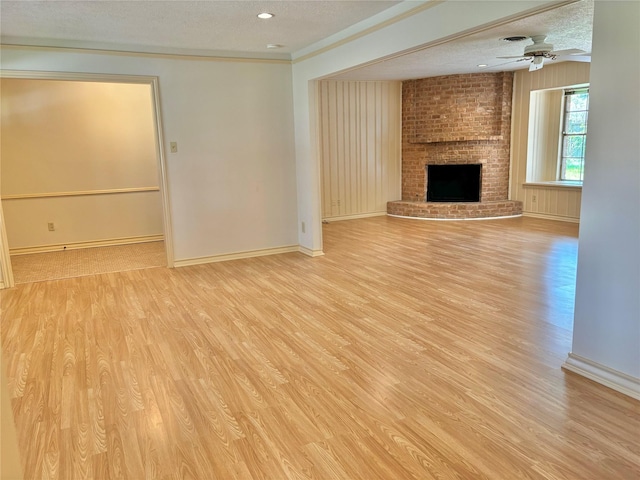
[
  {"x": 274, "y": 45},
  {"x": 482, "y": 65},
  {"x": 265, "y": 15}
]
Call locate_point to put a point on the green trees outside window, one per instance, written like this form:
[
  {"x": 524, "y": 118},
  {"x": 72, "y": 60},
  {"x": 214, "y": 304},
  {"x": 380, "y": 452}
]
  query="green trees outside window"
[{"x": 574, "y": 134}]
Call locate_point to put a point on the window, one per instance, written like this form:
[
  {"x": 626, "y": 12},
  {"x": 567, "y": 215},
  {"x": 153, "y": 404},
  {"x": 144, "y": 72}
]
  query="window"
[
  {"x": 556, "y": 135},
  {"x": 574, "y": 134}
]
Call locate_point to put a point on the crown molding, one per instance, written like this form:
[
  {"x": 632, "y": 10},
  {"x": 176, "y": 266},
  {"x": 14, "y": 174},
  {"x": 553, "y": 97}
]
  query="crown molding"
[{"x": 132, "y": 51}]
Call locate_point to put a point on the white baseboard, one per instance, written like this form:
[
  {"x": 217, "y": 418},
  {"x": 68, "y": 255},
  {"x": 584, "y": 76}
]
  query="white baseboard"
[
  {"x": 353, "y": 217},
  {"x": 76, "y": 245},
  {"x": 309, "y": 252},
  {"x": 618, "y": 381},
  {"x": 235, "y": 256},
  {"x": 548, "y": 216}
]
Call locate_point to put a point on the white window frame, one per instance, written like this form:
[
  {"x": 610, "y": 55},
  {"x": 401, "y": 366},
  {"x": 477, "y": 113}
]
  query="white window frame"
[{"x": 563, "y": 134}]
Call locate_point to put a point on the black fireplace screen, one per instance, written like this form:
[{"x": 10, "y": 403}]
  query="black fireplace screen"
[{"x": 453, "y": 183}]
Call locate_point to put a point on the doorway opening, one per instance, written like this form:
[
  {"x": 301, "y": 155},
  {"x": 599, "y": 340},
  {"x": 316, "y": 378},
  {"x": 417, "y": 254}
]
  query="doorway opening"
[{"x": 83, "y": 177}]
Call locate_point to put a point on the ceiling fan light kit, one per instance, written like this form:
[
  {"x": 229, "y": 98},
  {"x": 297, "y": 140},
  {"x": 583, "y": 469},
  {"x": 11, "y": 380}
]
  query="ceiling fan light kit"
[
  {"x": 538, "y": 47},
  {"x": 536, "y": 63},
  {"x": 538, "y": 51}
]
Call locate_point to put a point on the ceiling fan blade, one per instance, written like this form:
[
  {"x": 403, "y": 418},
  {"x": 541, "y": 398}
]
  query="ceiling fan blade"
[
  {"x": 576, "y": 58},
  {"x": 506, "y": 63},
  {"x": 570, "y": 51},
  {"x": 515, "y": 56}
]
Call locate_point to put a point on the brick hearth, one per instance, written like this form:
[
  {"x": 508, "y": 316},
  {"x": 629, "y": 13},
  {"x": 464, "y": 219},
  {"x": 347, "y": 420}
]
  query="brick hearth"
[
  {"x": 457, "y": 119},
  {"x": 500, "y": 208}
]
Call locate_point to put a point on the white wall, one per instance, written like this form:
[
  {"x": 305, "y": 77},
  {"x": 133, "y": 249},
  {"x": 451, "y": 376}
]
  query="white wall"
[
  {"x": 231, "y": 186},
  {"x": 607, "y": 315},
  {"x": 61, "y": 137},
  {"x": 360, "y": 149},
  {"x": 435, "y": 22}
]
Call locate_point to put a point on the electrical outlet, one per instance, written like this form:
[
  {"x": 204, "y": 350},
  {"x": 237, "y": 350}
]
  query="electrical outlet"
[
  {"x": 51, "y": 226},
  {"x": 534, "y": 198},
  {"x": 174, "y": 147},
  {"x": 303, "y": 227}
]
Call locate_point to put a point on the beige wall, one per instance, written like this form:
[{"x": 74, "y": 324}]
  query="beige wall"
[
  {"x": 557, "y": 202},
  {"x": 360, "y": 135},
  {"x": 544, "y": 134},
  {"x": 72, "y": 137},
  {"x": 91, "y": 218}
]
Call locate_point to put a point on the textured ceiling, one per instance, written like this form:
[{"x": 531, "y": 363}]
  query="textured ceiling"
[
  {"x": 169, "y": 26},
  {"x": 566, "y": 27},
  {"x": 232, "y": 28}
]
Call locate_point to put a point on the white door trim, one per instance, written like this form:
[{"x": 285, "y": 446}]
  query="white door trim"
[{"x": 5, "y": 259}]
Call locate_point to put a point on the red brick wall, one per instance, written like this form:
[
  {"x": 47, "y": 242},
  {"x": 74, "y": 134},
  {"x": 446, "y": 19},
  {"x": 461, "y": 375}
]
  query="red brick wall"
[{"x": 457, "y": 119}]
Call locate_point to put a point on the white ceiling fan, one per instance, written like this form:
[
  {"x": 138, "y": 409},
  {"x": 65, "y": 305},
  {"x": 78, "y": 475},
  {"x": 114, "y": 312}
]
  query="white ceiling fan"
[{"x": 539, "y": 51}]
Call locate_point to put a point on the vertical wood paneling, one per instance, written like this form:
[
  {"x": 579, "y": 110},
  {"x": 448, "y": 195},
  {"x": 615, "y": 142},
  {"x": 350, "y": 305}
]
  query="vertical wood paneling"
[
  {"x": 553, "y": 107},
  {"x": 324, "y": 150},
  {"x": 360, "y": 129},
  {"x": 556, "y": 202},
  {"x": 372, "y": 142},
  {"x": 353, "y": 203},
  {"x": 564, "y": 202},
  {"x": 363, "y": 156}
]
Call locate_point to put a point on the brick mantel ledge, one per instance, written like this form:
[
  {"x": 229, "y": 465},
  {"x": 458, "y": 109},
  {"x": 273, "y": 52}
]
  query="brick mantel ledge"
[{"x": 462, "y": 210}]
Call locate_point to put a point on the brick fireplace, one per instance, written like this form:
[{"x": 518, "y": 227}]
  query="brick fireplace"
[{"x": 454, "y": 120}]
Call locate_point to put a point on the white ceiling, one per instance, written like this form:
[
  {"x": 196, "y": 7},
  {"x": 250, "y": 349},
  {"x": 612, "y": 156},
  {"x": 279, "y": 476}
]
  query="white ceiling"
[
  {"x": 232, "y": 28},
  {"x": 204, "y": 27}
]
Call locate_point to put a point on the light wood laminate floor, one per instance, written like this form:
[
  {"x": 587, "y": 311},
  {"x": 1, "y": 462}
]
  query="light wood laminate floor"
[{"x": 412, "y": 350}]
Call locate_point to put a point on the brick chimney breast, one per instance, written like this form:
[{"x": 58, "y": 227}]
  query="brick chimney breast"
[{"x": 458, "y": 119}]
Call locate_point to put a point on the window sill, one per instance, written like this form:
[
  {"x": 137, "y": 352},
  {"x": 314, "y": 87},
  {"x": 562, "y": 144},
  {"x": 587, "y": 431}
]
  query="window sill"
[{"x": 554, "y": 184}]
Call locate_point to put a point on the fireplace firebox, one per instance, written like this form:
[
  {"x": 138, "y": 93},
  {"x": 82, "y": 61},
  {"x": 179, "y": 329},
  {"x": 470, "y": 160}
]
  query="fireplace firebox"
[{"x": 454, "y": 183}]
